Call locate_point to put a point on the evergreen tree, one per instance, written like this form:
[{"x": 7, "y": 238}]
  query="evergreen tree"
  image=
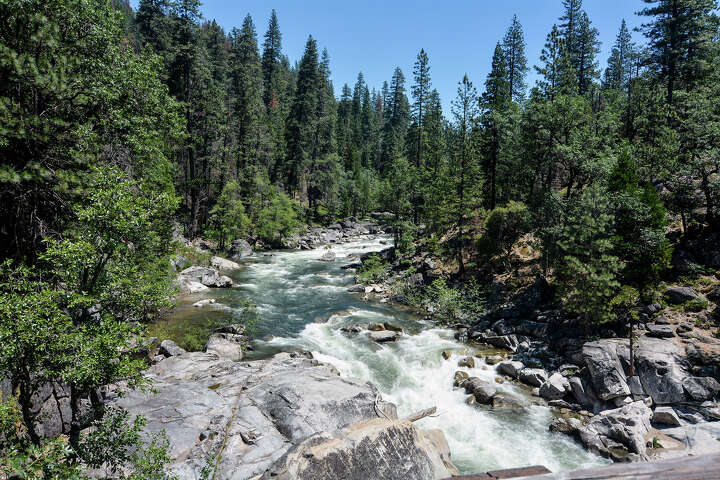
[
  {"x": 464, "y": 170},
  {"x": 514, "y": 51},
  {"x": 494, "y": 103},
  {"x": 302, "y": 122},
  {"x": 271, "y": 58},
  {"x": 558, "y": 76},
  {"x": 570, "y": 30},
  {"x": 588, "y": 47},
  {"x": 395, "y": 130},
  {"x": 621, "y": 62},
  {"x": 681, "y": 35},
  {"x": 588, "y": 270},
  {"x": 420, "y": 91}
]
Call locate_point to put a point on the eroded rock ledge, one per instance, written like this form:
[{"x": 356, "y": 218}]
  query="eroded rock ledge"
[{"x": 289, "y": 417}]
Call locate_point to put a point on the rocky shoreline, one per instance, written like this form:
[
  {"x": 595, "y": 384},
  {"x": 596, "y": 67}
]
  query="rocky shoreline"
[
  {"x": 288, "y": 417},
  {"x": 665, "y": 405}
]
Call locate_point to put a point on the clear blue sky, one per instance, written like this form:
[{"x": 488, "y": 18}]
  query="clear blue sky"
[{"x": 374, "y": 36}]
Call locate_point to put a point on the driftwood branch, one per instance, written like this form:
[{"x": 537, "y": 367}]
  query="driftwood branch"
[{"x": 421, "y": 414}]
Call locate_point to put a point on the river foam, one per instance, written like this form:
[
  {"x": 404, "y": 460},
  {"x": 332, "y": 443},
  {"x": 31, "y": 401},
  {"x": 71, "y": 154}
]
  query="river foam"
[{"x": 303, "y": 303}]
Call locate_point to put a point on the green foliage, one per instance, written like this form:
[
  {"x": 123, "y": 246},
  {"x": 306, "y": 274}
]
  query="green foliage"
[
  {"x": 277, "y": 219},
  {"x": 111, "y": 447},
  {"x": 588, "y": 270},
  {"x": 696, "y": 305},
  {"x": 373, "y": 270},
  {"x": 503, "y": 227},
  {"x": 227, "y": 218},
  {"x": 450, "y": 305}
]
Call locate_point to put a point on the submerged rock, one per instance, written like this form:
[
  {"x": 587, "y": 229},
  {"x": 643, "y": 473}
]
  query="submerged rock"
[
  {"x": 384, "y": 336},
  {"x": 328, "y": 256},
  {"x": 204, "y": 303}
]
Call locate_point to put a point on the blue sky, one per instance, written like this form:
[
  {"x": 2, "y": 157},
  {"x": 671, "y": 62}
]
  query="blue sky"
[{"x": 374, "y": 36}]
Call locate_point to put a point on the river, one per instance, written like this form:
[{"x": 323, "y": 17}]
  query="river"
[{"x": 303, "y": 303}]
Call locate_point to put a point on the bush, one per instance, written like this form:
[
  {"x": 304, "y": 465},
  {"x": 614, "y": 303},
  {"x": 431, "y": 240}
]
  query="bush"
[
  {"x": 227, "y": 218},
  {"x": 503, "y": 226},
  {"x": 374, "y": 270},
  {"x": 452, "y": 305},
  {"x": 277, "y": 219}
]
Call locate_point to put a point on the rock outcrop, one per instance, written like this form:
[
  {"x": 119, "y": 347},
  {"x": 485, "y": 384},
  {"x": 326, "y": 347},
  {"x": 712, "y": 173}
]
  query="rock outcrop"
[
  {"x": 199, "y": 278},
  {"x": 620, "y": 434},
  {"x": 266, "y": 418},
  {"x": 378, "y": 448}
]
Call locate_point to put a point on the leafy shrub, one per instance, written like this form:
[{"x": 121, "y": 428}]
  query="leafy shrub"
[
  {"x": 374, "y": 270},
  {"x": 277, "y": 219},
  {"x": 503, "y": 226},
  {"x": 227, "y": 218},
  {"x": 696, "y": 305},
  {"x": 451, "y": 305}
]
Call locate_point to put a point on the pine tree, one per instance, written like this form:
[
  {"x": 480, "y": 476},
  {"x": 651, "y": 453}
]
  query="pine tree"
[
  {"x": 494, "y": 103},
  {"x": 271, "y": 57},
  {"x": 302, "y": 122},
  {"x": 464, "y": 169},
  {"x": 497, "y": 86},
  {"x": 420, "y": 92},
  {"x": 395, "y": 130},
  {"x": 154, "y": 26},
  {"x": 681, "y": 36},
  {"x": 570, "y": 30},
  {"x": 247, "y": 92},
  {"x": 588, "y": 47},
  {"x": 558, "y": 76},
  {"x": 621, "y": 62},
  {"x": 515, "y": 59}
]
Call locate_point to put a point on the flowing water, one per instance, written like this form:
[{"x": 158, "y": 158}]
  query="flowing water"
[{"x": 303, "y": 303}]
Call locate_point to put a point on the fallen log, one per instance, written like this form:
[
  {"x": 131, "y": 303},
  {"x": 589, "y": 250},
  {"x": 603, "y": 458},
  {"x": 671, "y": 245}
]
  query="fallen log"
[{"x": 421, "y": 414}]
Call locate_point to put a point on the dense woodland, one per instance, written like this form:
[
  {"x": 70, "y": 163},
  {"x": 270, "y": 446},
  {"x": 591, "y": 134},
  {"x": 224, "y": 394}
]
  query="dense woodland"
[{"x": 116, "y": 126}]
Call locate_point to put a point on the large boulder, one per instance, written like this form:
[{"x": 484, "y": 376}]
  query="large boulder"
[
  {"x": 534, "y": 377},
  {"x": 508, "y": 342},
  {"x": 605, "y": 370},
  {"x": 701, "y": 388},
  {"x": 662, "y": 368},
  {"x": 170, "y": 349},
  {"x": 482, "y": 390},
  {"x": 378, "y": 448},
  {"x": 555, "y": 388},
  {"x": 206, "y": 276},
  {"x": 250, "y": 414},
  {"x": 620, "y": 434},
  {"x": 510, "y": 368},
  {"x": 223, "y": 264},
  {"x": 666, "y": 416},
  {"x": 228, "y": 346},
  {"x": 239, "y": 249},
  {"x": 680, "y": 295}
]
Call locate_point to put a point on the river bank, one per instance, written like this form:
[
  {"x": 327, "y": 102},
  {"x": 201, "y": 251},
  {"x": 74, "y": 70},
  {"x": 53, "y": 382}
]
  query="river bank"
[
  {"x": 306, "y": 303},
  {"x": 660, "y": 401}
]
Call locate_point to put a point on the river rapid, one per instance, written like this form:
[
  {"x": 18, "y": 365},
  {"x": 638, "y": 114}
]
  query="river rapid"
[{"x": 303, "y": 302}]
